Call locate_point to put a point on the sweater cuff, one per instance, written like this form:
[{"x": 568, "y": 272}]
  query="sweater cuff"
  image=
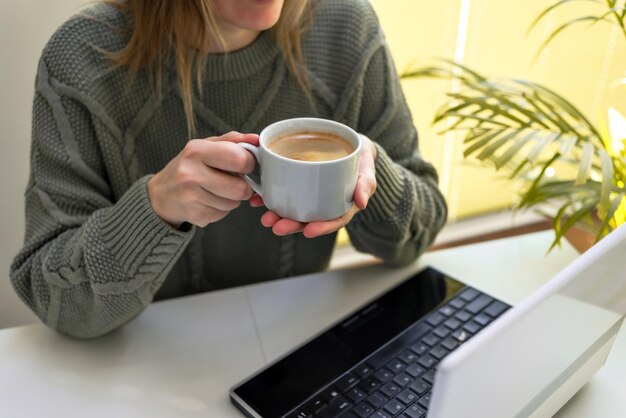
[
  {"x": 390, "y": 189},
  {"x": 134, "y": 233}
]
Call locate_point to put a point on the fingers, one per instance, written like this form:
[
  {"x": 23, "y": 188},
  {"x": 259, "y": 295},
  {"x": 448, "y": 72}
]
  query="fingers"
[
  {"x": 222, "y": 155},
  {"x": 366, "y": 180},
  {"x": 212, "y": 200},
  {"x": 316, "y": 229},
  {"x": 283, "y": 226},
  {"x": 269, "y": 218},
  {"x": 234, "y": 136},
  {"x": 222, "y": 152},
  {"x": 365, "y": 188},
  {"x": 225, "y": 185},
  {"x": 256, "y": 201}
]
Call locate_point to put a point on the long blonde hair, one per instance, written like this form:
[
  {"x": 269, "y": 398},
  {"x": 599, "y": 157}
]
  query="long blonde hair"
[{"x": 160, "y": 29}]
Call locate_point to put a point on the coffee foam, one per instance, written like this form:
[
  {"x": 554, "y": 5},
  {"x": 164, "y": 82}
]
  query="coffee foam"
[{"x": 312, "y": 146}]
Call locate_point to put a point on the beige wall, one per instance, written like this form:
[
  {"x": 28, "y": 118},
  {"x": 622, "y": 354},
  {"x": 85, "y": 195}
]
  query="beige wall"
[{"x": 25, "y": 26}]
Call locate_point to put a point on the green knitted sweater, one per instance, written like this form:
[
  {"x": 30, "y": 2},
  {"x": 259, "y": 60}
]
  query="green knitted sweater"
[{"x": 95, "y": 253}]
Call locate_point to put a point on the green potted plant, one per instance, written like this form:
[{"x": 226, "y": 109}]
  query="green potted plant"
[{"x": 536, "y": 135}]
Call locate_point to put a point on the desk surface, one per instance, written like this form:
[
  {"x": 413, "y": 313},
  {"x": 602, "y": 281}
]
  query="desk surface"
[{"x": 180, "y": 357}]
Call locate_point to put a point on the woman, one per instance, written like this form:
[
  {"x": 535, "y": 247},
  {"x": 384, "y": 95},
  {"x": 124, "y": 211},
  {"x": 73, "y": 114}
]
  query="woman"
[{"x": 122, "y": 208}]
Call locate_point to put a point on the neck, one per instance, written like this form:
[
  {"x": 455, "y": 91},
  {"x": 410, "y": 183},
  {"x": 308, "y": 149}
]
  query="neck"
[{"x": 234, "y": 38}]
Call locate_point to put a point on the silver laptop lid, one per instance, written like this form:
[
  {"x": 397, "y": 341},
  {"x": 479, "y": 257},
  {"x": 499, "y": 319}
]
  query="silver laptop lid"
[{"x": 514, "y": 367}]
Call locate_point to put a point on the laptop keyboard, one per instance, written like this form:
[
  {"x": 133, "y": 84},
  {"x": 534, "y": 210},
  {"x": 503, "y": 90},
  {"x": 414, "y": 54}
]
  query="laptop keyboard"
[{"x": 396, "y": 380}]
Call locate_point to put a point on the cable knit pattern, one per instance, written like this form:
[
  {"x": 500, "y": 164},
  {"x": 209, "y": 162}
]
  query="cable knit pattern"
[{"x": 95, "y": 253}]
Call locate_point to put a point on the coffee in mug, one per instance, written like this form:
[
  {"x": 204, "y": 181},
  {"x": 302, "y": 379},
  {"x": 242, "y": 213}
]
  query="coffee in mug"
[
  {"x": 308, "y": 168},
  {"x": 312, "y": 146}
]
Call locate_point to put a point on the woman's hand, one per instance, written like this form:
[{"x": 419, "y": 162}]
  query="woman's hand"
[
  {"x": 365, "y": 188},
  {"x": 200, "y": 185}
]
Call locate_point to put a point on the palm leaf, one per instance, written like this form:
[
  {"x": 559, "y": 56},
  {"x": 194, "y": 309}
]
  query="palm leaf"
[
  {"x": 592, "y": 19},
  {"x": 481, "y": 143},
  {"x": 604, "y": 227},
  {"x": 585, "y": 164},
  {"x": 567, "y": 106},
  {"x": 519, "y": 143},
  {"x": 607, "y": 180},
  {"x": 585, "y": 210},
  {"x": 549, "y": 9},
  {"x": 619, "y": 13},
  {"x": 489, "y": 150}
]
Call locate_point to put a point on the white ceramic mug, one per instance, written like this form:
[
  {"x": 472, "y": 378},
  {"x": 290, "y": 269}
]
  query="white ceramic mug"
[{"x": 305, "y": 191}]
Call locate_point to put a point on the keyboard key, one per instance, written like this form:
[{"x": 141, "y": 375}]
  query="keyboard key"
[
  {"x": 441, "y": 331},
  {"x": 316, "y": 404},
  {"x": 452, "y": 323},
  {"x": 330, "y": 394},
  {"x": 363, "y": 370},
  {"x": 427, "y": 361},
  {"x": 370, "y": 384},
  {"x": 414, "y": 370},
  {"x": 469, "y": 294},
  {"x": 457, "y": 303},
  {"x": 363, "y": 410},
  {"x": 472, "y": 327},
  {"x": 300, "y": 414},
  {"x": 435, "y": 319},
  {"x": 429, "y": 376},
  {"x": 407, "y": 396},
  {"x": 376, "y": 400},
  {"x": 478, "y": 304},
  {"x": 439, "y": 352},
  {"x": 447, "y": 310},
  {"x": 335, "y": 408},
  {"x": 424, "y": 400},
  {"x": 393, "y": 407},
  {"x": 383, "y": 375},
  {"x": 420, "y": 348},
  {"x": 461, "y": 335},
  {"x": 390, "y": 389},
  {"x": 356, "y": 395},
  {"x": 338, "y": 401},
  {"x": 379, "y": 414},
  {"x": 346, "y": 382},
  {"x": 402, "y": 379},
  {"x": 496, "y": 308},
  {"x": 420, "y": 387},
  {"x": 414, "y": 411},
  {"x": 431, "y": 339},
  {"x": 483, "y": 319},
  {"x": 449, "y": 344},
  {"x": 408, "y": 357},
  {"x": 396, "y": 366},
  {"x": 463, "y": 316}
]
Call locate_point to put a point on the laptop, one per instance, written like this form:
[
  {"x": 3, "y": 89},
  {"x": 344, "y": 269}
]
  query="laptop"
[{"x": 432, "y": 347}]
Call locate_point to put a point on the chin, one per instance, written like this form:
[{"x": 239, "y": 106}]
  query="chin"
[
  {"x": 264, "y": 17},
  {"x": 249, "y": 14}
]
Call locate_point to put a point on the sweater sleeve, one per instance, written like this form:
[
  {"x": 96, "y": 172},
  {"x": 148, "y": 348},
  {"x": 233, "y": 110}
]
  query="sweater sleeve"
[
  {"x": 407, "y": 211},
  {"x": 89, "y": 262}
]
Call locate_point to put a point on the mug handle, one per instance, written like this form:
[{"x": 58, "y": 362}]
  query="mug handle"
[{"x": 255, "y": 152}]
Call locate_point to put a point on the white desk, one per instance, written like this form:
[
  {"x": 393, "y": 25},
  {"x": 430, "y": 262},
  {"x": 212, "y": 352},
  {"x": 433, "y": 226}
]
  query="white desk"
[{"x": 180, "y": 357}]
